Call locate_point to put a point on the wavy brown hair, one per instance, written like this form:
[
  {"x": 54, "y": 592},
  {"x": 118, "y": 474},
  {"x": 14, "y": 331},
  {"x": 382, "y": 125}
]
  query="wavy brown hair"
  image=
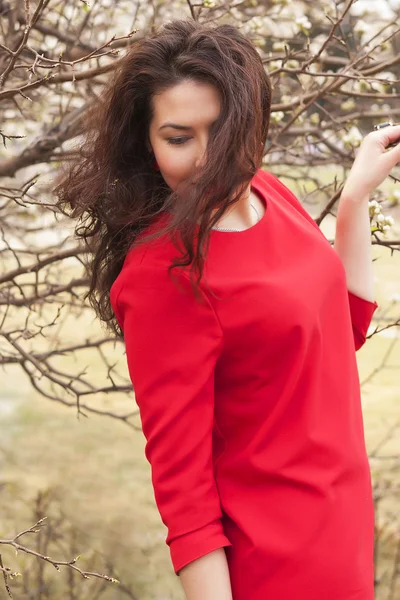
[{"x": 113, "y": 189}]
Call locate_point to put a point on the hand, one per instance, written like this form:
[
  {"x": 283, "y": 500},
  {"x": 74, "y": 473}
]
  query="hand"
[{"x": 373, "y": 162}]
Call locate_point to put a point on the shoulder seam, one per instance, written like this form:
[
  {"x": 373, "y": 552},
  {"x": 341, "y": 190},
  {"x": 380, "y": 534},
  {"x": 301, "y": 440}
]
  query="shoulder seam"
[{"x": 161, "y": 287}]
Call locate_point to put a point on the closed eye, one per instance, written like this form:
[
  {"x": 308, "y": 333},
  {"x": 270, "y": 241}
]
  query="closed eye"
[{"x": 177, "y": 141}]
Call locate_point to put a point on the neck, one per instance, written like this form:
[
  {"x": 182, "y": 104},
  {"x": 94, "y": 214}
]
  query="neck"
[{"x": 242, "y": 215}]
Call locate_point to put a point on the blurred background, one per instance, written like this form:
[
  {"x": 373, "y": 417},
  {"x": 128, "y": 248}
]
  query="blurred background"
[{"x": 71, "y": 445}]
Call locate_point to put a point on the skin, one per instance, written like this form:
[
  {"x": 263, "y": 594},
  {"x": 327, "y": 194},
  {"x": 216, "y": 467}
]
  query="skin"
[{"x": 179, "y": 152}]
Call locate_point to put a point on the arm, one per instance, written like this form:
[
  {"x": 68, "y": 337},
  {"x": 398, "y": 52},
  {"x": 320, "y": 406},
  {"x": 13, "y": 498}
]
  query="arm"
[
  {"x": 373, "y": 163},
  {"x": 371, "y": 166},
  {"x": 353, "y": 245},
  {"x": 172, "y": 344},
  {"x": 207, "y": 578}
]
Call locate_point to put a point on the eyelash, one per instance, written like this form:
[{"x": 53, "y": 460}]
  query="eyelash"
[{"x": 173, "y": 141}]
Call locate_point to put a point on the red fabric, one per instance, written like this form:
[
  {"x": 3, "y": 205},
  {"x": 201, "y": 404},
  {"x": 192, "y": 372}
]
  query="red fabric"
[{"x": 250, "y": 404}]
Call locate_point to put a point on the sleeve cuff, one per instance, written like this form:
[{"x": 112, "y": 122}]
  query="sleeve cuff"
[
  {"x": 190, "y": 546},
  {"x": 361, "y": 311}
]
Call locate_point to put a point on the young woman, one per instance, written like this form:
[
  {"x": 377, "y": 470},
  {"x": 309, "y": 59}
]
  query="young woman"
[{"x": 240, "y": 321}]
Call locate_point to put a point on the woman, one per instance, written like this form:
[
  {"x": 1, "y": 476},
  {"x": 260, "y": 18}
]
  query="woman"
[{"x": 240, "y": 321}]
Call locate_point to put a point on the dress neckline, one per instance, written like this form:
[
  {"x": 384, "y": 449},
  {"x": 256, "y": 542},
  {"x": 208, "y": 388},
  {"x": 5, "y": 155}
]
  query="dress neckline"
[
  {"x": 258, "y": 189},
  {"x": 255, "y": 187}
]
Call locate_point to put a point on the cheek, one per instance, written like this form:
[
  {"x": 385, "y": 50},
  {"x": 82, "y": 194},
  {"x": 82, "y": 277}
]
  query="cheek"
[{"x": 173, "y": 162}]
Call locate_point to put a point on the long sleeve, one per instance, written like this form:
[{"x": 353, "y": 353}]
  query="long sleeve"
[
  {"x": 172, "y": 344},
  {"x": 361, "y": 310}
]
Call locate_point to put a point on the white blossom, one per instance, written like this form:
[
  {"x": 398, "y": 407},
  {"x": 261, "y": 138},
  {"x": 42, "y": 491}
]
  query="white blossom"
[
  {"x": 277, "y": 116},
  {"x": 315, "y": 46},
  {"x": 348, "y": 104},
  {"x": 320, "y": 80},
  {"x": 274, "y": 64},
  {"x": 389, "y": 220},
  {"x": 9, "y": 114},
  {"x": 303, "y": 23},
  {"x": 383, "y": 223},
  {"x": 374, "y": 208},
  {"x": 387, "y": 75},
  {"x": 353, "y": 137},
  {"x": 300, "y": 119},
  {"x": 395, "y": 195},
  {"x": 278, "y": 46},
  {"x": 361, "y": 27},
  {"x": 235, "y": 13}
]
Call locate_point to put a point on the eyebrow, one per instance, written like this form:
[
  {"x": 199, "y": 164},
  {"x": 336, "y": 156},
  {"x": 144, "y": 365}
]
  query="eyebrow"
[{"x": 175, "y": 126}]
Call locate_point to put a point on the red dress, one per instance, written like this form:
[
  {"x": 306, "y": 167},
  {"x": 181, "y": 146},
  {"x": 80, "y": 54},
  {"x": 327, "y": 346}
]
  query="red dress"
[{"x": 250, "y": 404}]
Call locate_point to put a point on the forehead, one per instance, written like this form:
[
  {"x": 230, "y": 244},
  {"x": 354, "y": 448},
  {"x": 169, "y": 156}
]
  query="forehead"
[{"x": 187, "y": 103}]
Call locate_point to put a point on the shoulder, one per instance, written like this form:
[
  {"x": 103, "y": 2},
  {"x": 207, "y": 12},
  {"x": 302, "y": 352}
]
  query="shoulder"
[
  {"x": 148, "y": 258},
  {"x": 283, "y": 193},
  {"x": 146, "y": 283},
  {"x": 270, "y": 181}
]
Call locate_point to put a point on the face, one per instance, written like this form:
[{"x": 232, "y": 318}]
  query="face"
[{"x": 193, "y": 107}]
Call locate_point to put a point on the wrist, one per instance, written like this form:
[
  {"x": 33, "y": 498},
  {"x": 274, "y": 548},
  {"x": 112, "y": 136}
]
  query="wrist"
[{"x": 358, "y": 196}]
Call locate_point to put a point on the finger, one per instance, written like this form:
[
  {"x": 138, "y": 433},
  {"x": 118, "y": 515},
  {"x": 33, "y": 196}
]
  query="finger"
[
  {"x": 388, "y": 135},
  {"x": 391, "y": 156}
]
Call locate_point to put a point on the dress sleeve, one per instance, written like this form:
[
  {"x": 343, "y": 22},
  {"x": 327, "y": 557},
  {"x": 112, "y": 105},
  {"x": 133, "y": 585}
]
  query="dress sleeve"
[
  {"x": 172, "y": 343},
  {"x": 361, "y": 310}
]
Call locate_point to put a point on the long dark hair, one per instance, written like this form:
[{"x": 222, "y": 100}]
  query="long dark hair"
[{"x": 113, "y": 188}]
